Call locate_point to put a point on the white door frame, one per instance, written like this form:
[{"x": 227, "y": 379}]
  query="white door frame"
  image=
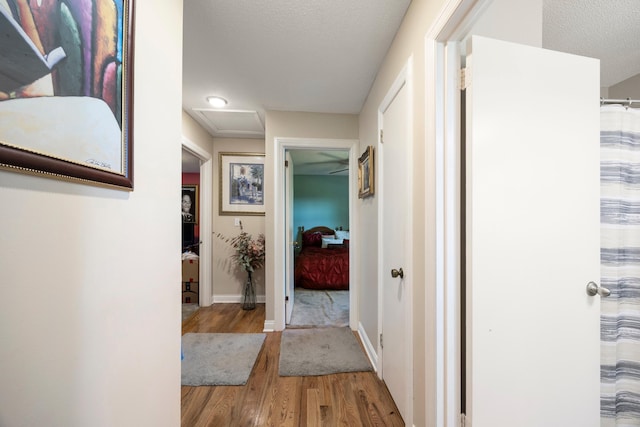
[
  {"x": 404, "y": 79},
  {"x": 206, "y": 214},
  {"x": 442, "y": 120},
  {"x": 289, "y": 239},
  {"x": 282, "y": 145}
]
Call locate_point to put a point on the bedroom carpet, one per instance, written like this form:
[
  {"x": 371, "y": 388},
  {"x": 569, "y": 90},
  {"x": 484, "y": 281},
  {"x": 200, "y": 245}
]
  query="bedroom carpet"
[
  {"x": 219, "y": 359},
  {"x": 319, "y": 308},
  {"x": 321, "y": 351}
]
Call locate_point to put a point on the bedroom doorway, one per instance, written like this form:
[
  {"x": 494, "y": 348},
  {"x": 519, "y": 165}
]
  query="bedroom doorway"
[
  {"x": 317, "y": 194},
  {"x": 341, "y": 154}
]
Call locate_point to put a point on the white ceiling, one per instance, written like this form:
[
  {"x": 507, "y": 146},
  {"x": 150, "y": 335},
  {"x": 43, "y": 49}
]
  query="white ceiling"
[
  {"x": 605, "y": 29},
  {"x": 292, "y": 55},
  {"x": 323, "y": 55}
]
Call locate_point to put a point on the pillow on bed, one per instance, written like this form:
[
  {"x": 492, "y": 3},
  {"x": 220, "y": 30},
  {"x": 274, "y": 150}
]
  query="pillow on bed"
[
  {"x": 342, "y": 234},
  {"x": 312, "y": 239},
  {"x": 330, "y": 240}
]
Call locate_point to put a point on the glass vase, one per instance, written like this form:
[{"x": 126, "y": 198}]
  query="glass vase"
[{"x": 249, "y": 294}]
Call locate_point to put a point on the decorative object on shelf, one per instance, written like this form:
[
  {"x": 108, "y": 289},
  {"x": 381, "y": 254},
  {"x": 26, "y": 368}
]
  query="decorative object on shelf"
[
  {"x": 241, "y": 184},
  {"x": 366, "y": 175},
  {"x": 249, "y": 256}
]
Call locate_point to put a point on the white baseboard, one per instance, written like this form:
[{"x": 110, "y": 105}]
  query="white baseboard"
[
  {"x": 368, "y": 347},
  {"x": 269, "y": 326},
  {"x": 235, "y": 299}
]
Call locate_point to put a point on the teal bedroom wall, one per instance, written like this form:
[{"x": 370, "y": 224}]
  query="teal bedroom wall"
[{"x": 320, "y": 200}]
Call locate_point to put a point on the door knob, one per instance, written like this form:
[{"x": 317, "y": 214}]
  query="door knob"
[
  {"x": 593, "y": 289},
  {"x": 397, "y": 273}
]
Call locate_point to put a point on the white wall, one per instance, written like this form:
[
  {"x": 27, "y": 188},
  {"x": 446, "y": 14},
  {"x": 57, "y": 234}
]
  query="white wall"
[
  {"x": 629, "y": 88},
  {"x": 228, "y": 280},
  {"x": 89, "y": 277},
  {"x": 523, "y": 20},
  {"x": 196, "y": 133},
  {"x": 281, "y": 124},
  {"x": 409, "y": 42}
]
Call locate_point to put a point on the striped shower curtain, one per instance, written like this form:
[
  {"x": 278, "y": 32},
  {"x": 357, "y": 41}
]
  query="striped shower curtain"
[{"x": 620, "y": 266}]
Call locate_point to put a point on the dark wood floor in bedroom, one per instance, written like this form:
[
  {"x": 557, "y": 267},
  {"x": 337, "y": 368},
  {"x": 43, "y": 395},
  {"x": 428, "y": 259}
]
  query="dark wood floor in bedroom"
[{"x": 349, "y": 399}]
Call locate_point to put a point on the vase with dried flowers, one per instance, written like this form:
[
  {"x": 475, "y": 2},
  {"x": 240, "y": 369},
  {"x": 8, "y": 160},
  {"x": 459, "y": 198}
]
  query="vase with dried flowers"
[{"x": 248, "y": 254}]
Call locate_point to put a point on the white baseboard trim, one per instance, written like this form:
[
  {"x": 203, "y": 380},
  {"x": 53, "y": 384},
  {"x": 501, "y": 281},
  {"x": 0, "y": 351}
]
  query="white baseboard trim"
[
  {"x": 235, "y": 299},
  {"x": 269, "y": 326},
  {"x": 368, "y": 347}
]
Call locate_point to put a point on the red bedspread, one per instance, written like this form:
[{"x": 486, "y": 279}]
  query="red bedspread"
[{"x": 319, "y": 268}]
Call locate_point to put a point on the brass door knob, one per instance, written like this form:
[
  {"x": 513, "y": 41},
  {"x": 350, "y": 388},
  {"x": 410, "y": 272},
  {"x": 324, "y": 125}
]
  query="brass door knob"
[{"x": 397, "y": 273}]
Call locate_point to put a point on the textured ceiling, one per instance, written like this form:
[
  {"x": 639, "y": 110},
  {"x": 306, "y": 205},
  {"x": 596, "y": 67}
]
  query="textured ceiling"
[
  {"x": 323, "y": 55},
  {"x": 605, "y": 29},
  {"x": 315, "y": 56}
]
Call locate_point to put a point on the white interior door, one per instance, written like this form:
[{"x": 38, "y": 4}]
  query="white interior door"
[
  {"x": 289, "y": 239},
  {"x": 532, "y": 245},
  {"x": 395, "y": 294}
]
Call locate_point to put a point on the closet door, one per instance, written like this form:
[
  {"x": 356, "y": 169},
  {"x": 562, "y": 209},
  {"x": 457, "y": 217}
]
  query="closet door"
[{"x": 532, "y": 245}]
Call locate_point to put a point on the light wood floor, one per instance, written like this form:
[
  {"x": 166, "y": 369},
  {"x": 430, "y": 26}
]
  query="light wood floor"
[{"x": 348, "y": 399}]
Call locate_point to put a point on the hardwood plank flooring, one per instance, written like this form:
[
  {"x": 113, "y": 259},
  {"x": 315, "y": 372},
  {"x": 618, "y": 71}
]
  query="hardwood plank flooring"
[{"x": 346, "y": 399}]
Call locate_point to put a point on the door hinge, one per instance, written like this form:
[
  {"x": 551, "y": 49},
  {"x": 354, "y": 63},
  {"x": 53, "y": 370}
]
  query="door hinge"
[
  {"x": 464, "y": 80},
  {"x": 286, "y": 163},
  {"x": 286, "y": 299},
  {"x": 463, "y": 420},
  {"x": 381, "y": 343},
  {"x": 381, "y": 136}
]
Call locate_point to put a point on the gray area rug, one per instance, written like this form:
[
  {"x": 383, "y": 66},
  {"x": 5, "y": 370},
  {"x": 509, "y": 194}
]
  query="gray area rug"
[
  {"x": 219, "y": 359},
  {"x": 313, "y": 308},
  {"x": 321, "y": 351}
]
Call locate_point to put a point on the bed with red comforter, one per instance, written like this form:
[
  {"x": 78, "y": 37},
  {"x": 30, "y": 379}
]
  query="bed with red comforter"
[{"x": 318, "y": 267}]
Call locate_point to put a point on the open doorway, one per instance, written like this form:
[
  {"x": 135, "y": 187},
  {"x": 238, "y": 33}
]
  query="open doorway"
[
  {"x": 320, "y": 223},
  {"x": 285, "y": 235},
  {"x": 444, "y": 49},
  {"x": 190, "y": 244},
  {"x": 197, "y": 172}
]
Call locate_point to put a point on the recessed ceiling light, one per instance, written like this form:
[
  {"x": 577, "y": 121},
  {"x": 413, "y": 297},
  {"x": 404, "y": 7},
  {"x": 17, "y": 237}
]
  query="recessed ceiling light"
[{"x": 217, "y": 101}]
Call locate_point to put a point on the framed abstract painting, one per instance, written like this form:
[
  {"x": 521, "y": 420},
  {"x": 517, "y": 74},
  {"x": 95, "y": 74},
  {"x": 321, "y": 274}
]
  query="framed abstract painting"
[{"x": 66, "y": 90}]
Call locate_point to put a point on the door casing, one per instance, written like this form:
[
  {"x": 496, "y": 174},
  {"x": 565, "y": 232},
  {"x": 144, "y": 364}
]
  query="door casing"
[
  {"x": 206, "y": 216},
  {"x": 282, "y": 144},
  {"x": 442, "y": 132},
  {"x": 402, "y": 82}
]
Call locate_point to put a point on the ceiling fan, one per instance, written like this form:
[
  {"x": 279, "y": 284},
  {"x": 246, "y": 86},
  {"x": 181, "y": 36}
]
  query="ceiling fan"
[
  {"x": 338, "y": 171},
  {"x": 314, "y": 158}
]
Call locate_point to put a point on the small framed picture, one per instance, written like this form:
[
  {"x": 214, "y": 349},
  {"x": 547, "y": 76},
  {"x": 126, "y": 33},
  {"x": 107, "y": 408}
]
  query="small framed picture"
[
  {"x": 241, "y": 184},
  {"x": 189, "y": 204},
  {"x": 365, "y": 174}
]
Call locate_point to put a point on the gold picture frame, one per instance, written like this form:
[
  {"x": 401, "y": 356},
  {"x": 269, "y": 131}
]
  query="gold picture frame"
[{"x": 366, "y": 174}]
